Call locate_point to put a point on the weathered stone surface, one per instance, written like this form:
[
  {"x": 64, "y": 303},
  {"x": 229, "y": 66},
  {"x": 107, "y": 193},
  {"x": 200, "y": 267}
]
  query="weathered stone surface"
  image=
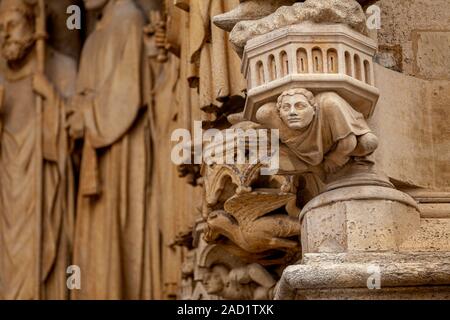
[
  {"x": 403, "y": 111},
  {"x": 398, "y": 293},
  {"x": 358, "y": 219},
  {"x": 402, "y": 20},
  {"x": 432, "y": 54},
  {"x": 248, "y": 10},
  {"x": 433, "y": 235},
  {"x": 350, "y": 274},
  {"x": 328, "y": 11},
  {"x": 440, "y": 113}
]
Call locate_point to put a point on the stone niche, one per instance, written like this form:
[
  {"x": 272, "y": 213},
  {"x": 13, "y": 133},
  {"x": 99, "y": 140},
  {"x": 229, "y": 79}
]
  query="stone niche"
[{"x": 318, "y": 57}]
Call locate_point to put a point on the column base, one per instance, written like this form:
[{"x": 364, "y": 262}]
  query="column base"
[{"x": 365, "y": 276}]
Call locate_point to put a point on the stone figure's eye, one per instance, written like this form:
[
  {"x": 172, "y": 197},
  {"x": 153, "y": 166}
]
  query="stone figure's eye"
[
  {"x": 299, "y": 105},
  {"x": 286, "y": 107}
]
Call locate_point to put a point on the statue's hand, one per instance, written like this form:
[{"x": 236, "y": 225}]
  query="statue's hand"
[
  {"x": 330, "y": 166},
  {"x": 75, "y": 123},
  {"x": 340, "y": 155},
  {"x": 43, "y": 87}
]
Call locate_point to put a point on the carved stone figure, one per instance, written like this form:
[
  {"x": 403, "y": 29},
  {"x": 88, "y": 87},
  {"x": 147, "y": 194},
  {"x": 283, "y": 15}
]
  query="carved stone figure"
[
  {"x": 36, "y": 183},
  {"x": 322, "y": 129},
  {"x": 203, "y": 48},
  {"x": 112, "y": 242},
  {"x": 187, "y": 276},
  {"x": 250, "y": 282},
  {"x": 247, "y": 227},
  {"x": 252, "y": 223}
]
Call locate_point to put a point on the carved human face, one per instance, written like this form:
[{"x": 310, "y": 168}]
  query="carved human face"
[
  {"x": 214, "y": 281},
  {"x": 17, "y": 35},
  {"x": 94, "y": 4},
  {"x": 296, "y": 111}
]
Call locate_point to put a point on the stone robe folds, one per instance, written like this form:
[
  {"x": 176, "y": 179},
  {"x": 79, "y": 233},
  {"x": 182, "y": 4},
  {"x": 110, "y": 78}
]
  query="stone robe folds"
[
  {"x": 28, "y": 243},
  {"x": 212, "y": 62},
  {"x": 112, "y": 238}
]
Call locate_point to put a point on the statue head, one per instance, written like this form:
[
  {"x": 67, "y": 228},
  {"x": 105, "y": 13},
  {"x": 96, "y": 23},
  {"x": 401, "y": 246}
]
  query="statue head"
[
  {"x": 188, "y": 265},
  {"x": 94, "y": 4},
  {"x": 297, "y": 108},
  {"x": 215, "y": 281},
  {"x": 17, "y": 28}
]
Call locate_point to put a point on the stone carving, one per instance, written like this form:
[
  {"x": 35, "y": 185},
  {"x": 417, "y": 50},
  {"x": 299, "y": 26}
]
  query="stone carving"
[
  {"x": 312, "y": 77},
  {"x": 309, "y": 69},
  {"x": 207, "y": 47},
  {"x": 327, "y": 11},
  {"x": 245, "y": 224},
  {"x": 187, "y": 276},
  {"x": 327, "y": 71},
  {"x": 220, "y": 275},
  {"x": 112, "y": 214},
  {"x": 36, "y": 182},
  {"x": 248, "y": 10},
  {"x": 156, "y": 31},
  {"x": 252, "y": 223},
  {"x": 250, "y": 282},
  {"x": 322, "y": 129},
  {"x": 317, "y": 57}
]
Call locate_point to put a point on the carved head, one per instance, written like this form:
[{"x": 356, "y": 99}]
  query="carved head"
[
  {"x": 215, "y": 281},
  {"x": 94, "y": 4},
  {"x": 297, "y": 108},
  {"x": 188, "y": 265},
  {"x": 16, "y": 29}
]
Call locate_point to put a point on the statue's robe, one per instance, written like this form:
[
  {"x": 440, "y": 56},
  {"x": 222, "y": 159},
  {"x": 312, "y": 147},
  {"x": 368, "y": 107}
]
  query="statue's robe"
[
  {"x": 35, "y": 248},
  {"x": 335, "y": 119},
  {"x": 112, "y": 238},
  {"x": 212, "y": 65}
]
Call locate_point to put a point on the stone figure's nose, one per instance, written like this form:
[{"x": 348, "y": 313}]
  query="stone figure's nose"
[{"x": 292, "y": 111}]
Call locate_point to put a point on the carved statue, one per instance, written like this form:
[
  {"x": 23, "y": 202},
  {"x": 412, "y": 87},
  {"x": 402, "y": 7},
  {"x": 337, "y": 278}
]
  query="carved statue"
[
  {"x": 317, "y": 130},
  {"x": 246, "y": 225},
  {"x": 250, "y": 282},
  {"x": 36, "y": 182},
  {"x": 254, "y": 217},
  {"x": 187, "y": 276},
  {"x": 207, "y": 47},
  {"x": 112, "y": 241}
]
